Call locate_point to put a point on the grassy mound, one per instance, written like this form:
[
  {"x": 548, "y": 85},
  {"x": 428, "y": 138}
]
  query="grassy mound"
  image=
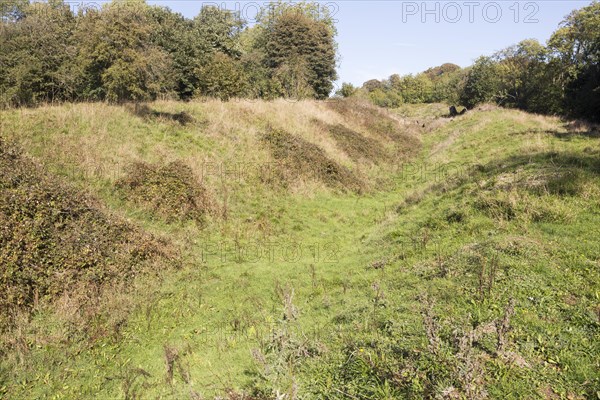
[
  {"x": 297, "y": 157},
  {"x": 357, "y": 146},
  {"x": 55, "y": 239},
  {"x": 172, "y": 191}
]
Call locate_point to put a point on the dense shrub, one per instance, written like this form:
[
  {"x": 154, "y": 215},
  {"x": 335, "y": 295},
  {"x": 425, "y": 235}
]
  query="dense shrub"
[
  {"x": 299, "y": 158},
  {"x": 378, "y": 122},
  {"x": 357, "y": 146},
  {"x": 172, "y": 191},
  {"x": 54, "y": 238}
]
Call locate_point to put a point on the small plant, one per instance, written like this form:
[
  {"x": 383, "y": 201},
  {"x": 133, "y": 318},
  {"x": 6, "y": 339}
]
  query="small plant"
[
  {"x": 277, "y": 362},
  {"x": 174, "y": 362},
  {"x": 466, "y": 362},
  {"x": 378, "y": 296},
  {"x": 290, "y": 312},
  {"x": 132, "y": 388},
  {"x": 487, "y": 275},
  {"x": 431, "y": 326},
  {"x": 503, "y": 326},
  {"x": 313, "y": 275}
]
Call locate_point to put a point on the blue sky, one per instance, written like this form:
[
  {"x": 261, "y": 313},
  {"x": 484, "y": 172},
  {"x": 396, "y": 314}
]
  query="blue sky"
[{"x": 379, "y": 38}]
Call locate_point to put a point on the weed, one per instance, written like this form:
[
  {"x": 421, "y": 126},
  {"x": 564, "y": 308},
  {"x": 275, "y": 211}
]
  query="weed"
[
  {"x": 131, "y": 386},
  {"x": 313, "y": 275},
  {"x": 431, "y": 326},
  {"x": 290, "y": 312},
  {"x": 487, "y": 275},
  {"x": 174, "y": 362}
]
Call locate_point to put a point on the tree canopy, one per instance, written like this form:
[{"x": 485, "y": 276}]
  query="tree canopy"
[{"x": 133, "y": 51}]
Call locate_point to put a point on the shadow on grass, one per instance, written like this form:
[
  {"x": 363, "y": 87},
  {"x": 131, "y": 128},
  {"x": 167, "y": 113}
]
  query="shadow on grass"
[
  {"x": 568, "y": 135},
  {"x": 548, "y": 160},
  {"x": 145, "y": 112},
  {"x": 572, "y": 129},
  {"x": 561, "y": 173}
]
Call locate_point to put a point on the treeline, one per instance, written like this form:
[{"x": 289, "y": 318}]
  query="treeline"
[
  {"x": 439, "y": 84},
  {"x": 131, "y": 51},
  {"x": 561, "y": 78}
]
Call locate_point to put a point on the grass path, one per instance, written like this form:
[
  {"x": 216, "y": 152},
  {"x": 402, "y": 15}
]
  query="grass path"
[
  {"x": 214, "y": 310},
  {"x": 290, "y": 287}
]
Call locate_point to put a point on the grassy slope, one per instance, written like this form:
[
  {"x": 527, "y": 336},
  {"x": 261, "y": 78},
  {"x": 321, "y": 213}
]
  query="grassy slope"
[{"x": 494, "y": 190}]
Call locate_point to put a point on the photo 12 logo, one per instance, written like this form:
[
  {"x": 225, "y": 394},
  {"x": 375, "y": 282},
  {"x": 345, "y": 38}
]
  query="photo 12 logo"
[
  {"x": 251, "y": 11},
  {"x": 469, "y": 11},
  {"x": 270, "y": 251},
  {"x": 78, "y": 6}
]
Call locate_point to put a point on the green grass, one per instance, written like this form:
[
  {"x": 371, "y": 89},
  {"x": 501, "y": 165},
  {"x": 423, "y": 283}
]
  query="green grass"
[{"x": 496, "y": 205}]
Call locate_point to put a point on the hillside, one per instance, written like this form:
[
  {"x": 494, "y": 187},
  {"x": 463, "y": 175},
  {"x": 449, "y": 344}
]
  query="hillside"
[{"x": 317, "y": 249}]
